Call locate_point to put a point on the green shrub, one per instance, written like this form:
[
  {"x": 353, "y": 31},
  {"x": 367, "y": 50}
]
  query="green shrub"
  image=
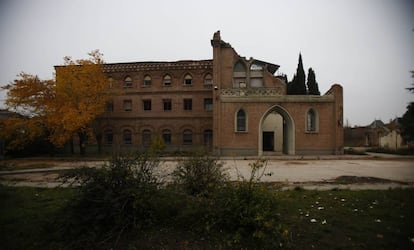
[
  {"x": 234, "y": 215},
  {"x": 249, "y": 211},
  {"x": 200, "y": 174},
  {"x": 121, "y": 196}
]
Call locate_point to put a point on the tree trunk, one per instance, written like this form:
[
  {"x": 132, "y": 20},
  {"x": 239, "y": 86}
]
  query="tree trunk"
[
  {"x": 72, "y": 147},
  {"x": 82, "y": 141},
  {"x": 99, "y": 141}
]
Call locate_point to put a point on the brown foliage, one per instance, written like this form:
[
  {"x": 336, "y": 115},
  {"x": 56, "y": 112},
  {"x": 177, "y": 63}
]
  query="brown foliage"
[{"x": 64, "y": 107}]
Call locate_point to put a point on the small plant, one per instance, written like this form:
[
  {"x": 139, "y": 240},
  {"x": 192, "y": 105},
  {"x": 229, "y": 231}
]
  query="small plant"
[{"x": 200, "y": 174}]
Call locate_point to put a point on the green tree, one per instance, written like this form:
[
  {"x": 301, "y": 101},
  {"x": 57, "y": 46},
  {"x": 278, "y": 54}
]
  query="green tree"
[
  {"x": 411, "y": 89},
  {"x": 313, "y": 88},
  {"x": 407, "y": 121},
  {"x": 297, "y": 86}
]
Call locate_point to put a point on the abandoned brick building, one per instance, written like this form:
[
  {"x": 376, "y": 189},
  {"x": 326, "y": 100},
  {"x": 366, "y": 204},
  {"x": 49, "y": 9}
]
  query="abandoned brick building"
[{"x": 229, "y": 105}]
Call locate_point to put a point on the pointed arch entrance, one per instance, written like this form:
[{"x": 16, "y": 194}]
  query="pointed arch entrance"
[{"x": 276, "y": 132}]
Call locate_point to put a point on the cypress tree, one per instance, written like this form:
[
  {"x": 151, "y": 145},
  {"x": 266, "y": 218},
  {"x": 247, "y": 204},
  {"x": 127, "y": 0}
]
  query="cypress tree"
[
  {"x": 313, "y": 88},
  {"x": 297, "y": 86}
]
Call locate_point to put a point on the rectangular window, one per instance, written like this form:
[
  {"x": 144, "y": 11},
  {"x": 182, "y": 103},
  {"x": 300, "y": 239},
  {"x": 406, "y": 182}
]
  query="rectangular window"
[
  {"x": 188, "y": 104},
  {"x": 147, "y": 83},
  {"x": 127, "y": 105},
  {"x": 167, "y": 104},
  {"x": 208, "y": 104},
  {"x": 146, "y": 104},
  {"x": 188, "y": 81}
]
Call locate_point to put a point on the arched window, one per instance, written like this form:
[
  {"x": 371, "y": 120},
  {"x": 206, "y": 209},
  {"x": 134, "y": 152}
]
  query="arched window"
[
  {"x": 128, "y": 82},
  {"x": 239, "y": 75},
  {"x": 166, "y": 136},
  {"x": 147, "y": 80},
  {"x": 241, "y": 121},
  {"x": 111, "y": 82},
  {"x": 166, "y": 80},
  {"x": 146, "y": 137},
  {"x": 108, "y": 137},
  {"x": 127, "y": 136},
  {"x": 311, "y": 121},
  {"x": 208, "y": 79},
  {"x": 208, "y": 137},
  {"x": 187, "y": 137},
  {"x": 188, "y": 79}
]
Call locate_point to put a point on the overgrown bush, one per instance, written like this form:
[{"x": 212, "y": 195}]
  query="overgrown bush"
[
  {"x": 119, "y": 197},
  {"x": 249, "y": 211},
  {"x": 124, "y": 200},
  {"x": 239, "y": 214},
  {"x": 200, "y": 174}
]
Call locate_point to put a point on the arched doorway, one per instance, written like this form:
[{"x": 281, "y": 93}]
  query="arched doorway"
[{"x": 276, "y": 132}]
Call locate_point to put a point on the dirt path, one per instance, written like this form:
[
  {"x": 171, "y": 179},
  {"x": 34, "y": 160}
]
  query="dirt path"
[{"x": 367, "y": 173}]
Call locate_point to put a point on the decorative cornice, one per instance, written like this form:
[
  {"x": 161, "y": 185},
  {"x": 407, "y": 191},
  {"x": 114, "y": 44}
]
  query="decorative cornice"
[{"x": 153, "y": 66}]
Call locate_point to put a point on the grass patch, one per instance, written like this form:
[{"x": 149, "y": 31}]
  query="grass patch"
[
  {"x": 337, "y": 219},
  {"x": 27, "y": 215},
  {"x": 349, "y": 219}
]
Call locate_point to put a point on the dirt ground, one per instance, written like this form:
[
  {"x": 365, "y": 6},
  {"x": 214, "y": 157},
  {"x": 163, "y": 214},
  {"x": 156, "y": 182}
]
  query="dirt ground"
[{"x": 363, "y": 172}]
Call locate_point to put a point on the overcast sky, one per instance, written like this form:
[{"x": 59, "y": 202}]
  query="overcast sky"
[{"x": 367, "y": 46}]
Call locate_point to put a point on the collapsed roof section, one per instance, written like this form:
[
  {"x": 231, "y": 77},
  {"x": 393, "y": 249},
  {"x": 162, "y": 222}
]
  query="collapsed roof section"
[{"x": 270, "y": 67}]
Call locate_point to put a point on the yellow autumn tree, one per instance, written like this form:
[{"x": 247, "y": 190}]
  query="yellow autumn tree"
[
  {"x": 65, "y": 107},
  {"x": 29, "y": 98},
  {"x": 81, "y": 95}
]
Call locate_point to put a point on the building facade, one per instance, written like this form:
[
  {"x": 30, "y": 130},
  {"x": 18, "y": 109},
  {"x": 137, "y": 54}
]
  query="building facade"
[{"x": 229, "y": 105}]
